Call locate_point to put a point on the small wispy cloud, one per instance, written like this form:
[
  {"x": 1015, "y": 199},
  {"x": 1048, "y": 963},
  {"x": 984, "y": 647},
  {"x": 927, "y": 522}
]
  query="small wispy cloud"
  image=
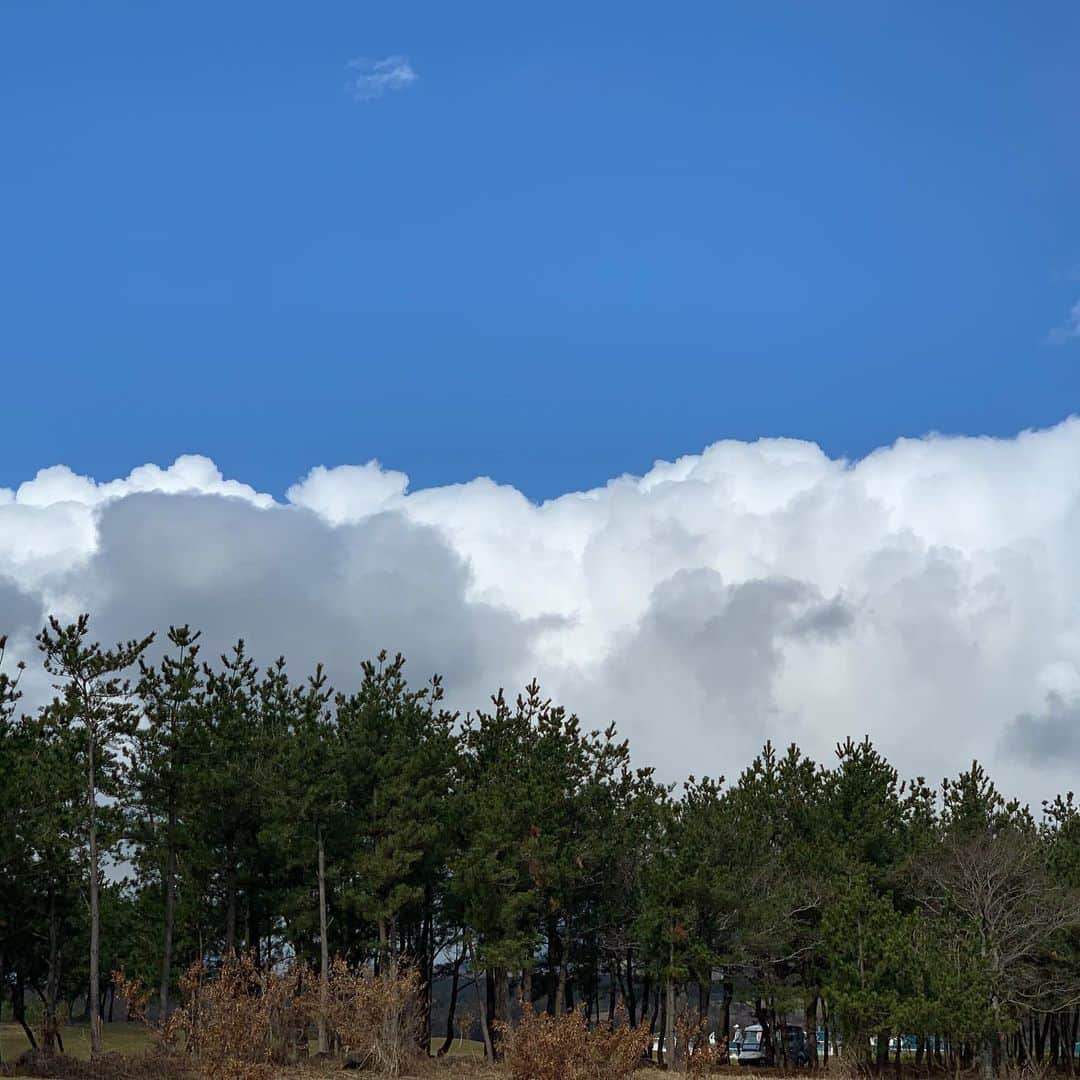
[
  {"x": 371, "y": 79},
  {"x": 1068, "y": 331}
]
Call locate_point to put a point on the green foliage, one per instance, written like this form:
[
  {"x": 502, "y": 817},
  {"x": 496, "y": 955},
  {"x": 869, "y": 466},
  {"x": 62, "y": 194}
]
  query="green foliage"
[{"x": 242, "y": 811}]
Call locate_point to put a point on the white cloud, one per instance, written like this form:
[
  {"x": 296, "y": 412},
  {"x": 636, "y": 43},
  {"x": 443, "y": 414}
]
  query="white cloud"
[
  {"x": 371, "y": 79},
  {"x": 1069, "y": 330},
  {"x": 928, "y": 594}
]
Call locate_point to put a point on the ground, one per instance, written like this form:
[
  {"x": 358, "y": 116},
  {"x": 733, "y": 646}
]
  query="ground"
[{"x": 130, "y": 1039}]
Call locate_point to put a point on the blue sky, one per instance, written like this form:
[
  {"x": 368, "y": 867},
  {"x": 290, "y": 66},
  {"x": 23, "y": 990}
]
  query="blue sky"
[{"x": 583, "y": 237}]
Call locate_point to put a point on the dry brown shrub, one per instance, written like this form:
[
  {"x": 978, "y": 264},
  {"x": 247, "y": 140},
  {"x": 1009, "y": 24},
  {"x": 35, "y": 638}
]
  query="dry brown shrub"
[
  {"x": 134, "y": 993},
  {"x": 376, "y": 1018},
  {"x": 693, "y": 1031},
  {"x": 242, "y": 1022},
  {"x": 544, "y": 1047}
]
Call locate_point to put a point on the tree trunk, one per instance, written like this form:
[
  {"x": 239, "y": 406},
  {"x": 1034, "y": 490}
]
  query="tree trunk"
[
  {"x": 426, "y": 953},
  {"x": 253, "y": 928},
  {"x": 451, "y": 1013},
  {"x": 324, "y": 950},
  {"x": 882, "y": 1050},
  {"x": 481, "y": 999},
  {"x": 670, "y": 1049},
  {"x": 631, "y": 998},
  {"x": 761, "y": 1013},
  {"x": 170, "y": 918},
  {"x": 553, "y": 950},
  {"x": 526, "y": 989},
  {"x": 52, "y": 979},
  {"x": 501, "y": 986},
  {"x": 18, "y": 1008},
  {"x": 95, "y": 904},
  {"x": 810, "y": 1018},
  {"x": 663, "y": 1046},
  {"x": 230, "y": 910},
  {"x": 647, "y": 995}
]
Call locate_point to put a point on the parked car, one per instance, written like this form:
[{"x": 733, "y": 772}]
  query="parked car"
[
  {"x": 752, "y": 1050},
  {"x": 755, "y": 1051}
]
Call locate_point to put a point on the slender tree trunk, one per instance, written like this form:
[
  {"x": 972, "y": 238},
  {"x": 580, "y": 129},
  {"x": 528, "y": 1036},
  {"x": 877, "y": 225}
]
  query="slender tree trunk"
[
  {"x": 52, "y": 979},
  {"x": 670, "y": 1049},
  {"x": 882, "y": 1050},
  {"x": 648, "y": 990},
  {"x": 761, "y": 1013},
  {"x": 253, "y": 928},
  {"x": 613, "y": 985},
  {"x": 631, "y": 998},
  {"x": 18, "y": 1008},
  {"x": 553, "y": 952},
  {"x": 481, "y": 999},
  {"x": 1072, "y": 1040},
  {"x": 230, "y": 909},
  {"x": 811, "y": 1031},
  {"x": 1042, "y": 1030},
  {"x": 324, "y": 950},
  {"x": 455, "y": 982},
  {"x": 95, "y": 908},
  {"x": 526, "y": 989},
  {"x": 170, "y": 918},
  {"x": 501, "y": 1013},
  {"x": 426, "y": 953},
  {"x": 663, "y": 1050}
]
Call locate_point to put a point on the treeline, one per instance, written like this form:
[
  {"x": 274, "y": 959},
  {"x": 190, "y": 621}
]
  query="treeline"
[{"x": 159, "y": 814}]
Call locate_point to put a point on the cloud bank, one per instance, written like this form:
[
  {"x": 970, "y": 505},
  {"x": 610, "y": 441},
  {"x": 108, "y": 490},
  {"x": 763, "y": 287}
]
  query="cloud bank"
[{"x": 928, "y": 594}]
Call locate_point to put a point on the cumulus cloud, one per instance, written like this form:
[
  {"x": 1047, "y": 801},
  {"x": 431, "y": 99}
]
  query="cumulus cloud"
[
  {"x": 1069, "y": 330},
  {"x": 927, "y": 594},
  {"x": 371, "y": 79}
]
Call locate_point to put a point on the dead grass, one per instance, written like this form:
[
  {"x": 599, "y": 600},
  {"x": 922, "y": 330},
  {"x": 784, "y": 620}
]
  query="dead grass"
[{"x": 119, "y": 1038}]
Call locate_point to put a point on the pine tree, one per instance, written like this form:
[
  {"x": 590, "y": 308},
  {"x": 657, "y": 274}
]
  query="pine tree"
[
  {"x": 164, "y": 756},
  {"x": 95, "y": 699}
]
